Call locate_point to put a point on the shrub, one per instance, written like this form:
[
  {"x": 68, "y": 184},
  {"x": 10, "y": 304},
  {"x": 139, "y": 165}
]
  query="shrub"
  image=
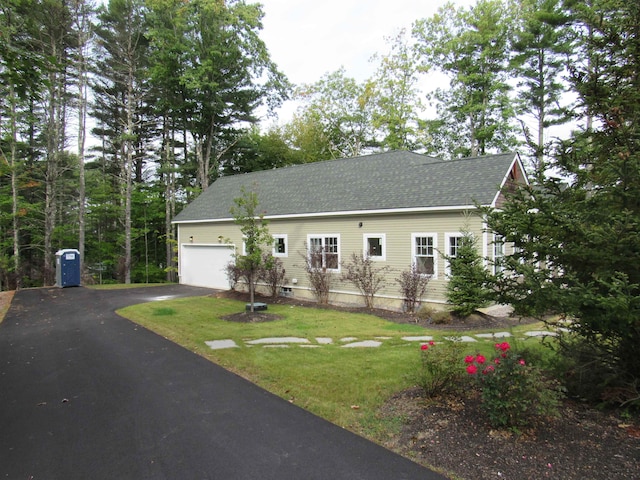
[
  {"x": 440, "y": 373},
  {"x": 365, "y": 275},
  {"x": 320, "y": 278},
  {"x": 273, "y": 274},
  {"x": 234, "y": 274},
  {"x": 513, "y": 392},
  {"x": 441, "y": 317},
  {"x": 413, "y": 285}
]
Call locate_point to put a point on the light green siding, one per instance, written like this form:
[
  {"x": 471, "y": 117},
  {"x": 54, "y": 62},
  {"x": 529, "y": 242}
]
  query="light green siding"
[{"x": 397, "y": 229}]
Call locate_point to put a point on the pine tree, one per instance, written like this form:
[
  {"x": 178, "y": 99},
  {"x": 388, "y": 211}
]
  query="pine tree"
[{"x": 576, "y": 232}]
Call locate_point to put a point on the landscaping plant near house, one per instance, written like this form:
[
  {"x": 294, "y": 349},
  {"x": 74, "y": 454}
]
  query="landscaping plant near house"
[
  {"x": 440, "y": 372},
  {"x": 466, "y": 289},
  {"x": 514, "y": 393},
  {"x": 365, "y": 275},
  {"x": 320, "y": 278},
  {"x": 256, "y": 237},
  {"x": 273, "y": 274},
  {"x": 413, "y": 286}
]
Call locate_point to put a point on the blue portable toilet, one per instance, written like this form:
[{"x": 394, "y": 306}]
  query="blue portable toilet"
[{"x": 68, "y": 268}]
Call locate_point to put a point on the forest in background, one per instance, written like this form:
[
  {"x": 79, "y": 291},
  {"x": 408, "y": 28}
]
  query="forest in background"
[{"x": 171, "y": 93}]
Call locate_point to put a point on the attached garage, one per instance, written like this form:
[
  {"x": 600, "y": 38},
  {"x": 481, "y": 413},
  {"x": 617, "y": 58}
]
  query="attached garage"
[{"x": 204, "y": 265}]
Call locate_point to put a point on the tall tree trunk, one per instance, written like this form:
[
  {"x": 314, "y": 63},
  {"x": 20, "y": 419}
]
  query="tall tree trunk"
[
  {"x": 82, "y": 12},
  {"x": 13, "y": 166}
]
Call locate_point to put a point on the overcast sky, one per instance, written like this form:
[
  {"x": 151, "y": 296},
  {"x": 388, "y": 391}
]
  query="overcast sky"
[{"x": 307, "y": 39}]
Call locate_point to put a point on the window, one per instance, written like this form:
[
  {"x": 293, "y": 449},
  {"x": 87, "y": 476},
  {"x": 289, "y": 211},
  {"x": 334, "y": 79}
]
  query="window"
[
  {"x": 324, "y": 251},
  {"x": 453, "y": 242},
  {"x": 424, "y": 249},
  {"x": 498, "y": 253},
  {"x": 375, "y": 246},
  {"x": 280, "y": 246}
]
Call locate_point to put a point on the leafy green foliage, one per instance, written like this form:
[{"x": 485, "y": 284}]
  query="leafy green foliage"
[
  {"x": 256, "y": 237},
  {"x": 514, "y": 393},
  {"x": 440, "y": 372}
]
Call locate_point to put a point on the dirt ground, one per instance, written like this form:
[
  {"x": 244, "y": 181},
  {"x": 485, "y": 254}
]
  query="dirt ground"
[{"x": 452, "y": 436}]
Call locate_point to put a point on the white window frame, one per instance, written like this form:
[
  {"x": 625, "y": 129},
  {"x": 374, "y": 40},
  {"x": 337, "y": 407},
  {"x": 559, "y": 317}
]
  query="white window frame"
[
  {"x": 434, "y": 237},
  {"x": 324, "y": 237},
  {"x": 383, "y": 246},
  {"x": 447, "y": 245},
  {"x": 286, "y": 245},
  {"x": 498, "y": 252}
]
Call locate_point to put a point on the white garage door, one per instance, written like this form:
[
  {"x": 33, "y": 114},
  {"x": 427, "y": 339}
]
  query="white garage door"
[{"x": 204, "y": 265}]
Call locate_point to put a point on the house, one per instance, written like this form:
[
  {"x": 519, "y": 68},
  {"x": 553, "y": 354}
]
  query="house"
[{"x": 401, "y": 208}]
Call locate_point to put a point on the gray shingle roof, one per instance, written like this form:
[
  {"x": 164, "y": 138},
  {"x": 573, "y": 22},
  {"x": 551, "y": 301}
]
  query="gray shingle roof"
[{"x": 383, "y": 181}]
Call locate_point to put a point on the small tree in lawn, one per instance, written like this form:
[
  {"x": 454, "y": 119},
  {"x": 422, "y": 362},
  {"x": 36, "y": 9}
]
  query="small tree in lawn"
[
  {"x": 363, "y": 273},
  {"x": 466, "y": 289},
  {"x": 256, "y": 236}
]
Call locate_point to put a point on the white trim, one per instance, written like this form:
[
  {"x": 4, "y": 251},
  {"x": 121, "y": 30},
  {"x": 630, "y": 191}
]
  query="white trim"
[
  {"x": 286, "y": 245},
  {"x": 324, "y": 236},
  {"x": 517, "y": 161},
  {"x": 434, "y": 236},
  {"x": 383, "y": 245},
  {"x": 343, "y": 213},
  {"x": 447, "y": 247}
]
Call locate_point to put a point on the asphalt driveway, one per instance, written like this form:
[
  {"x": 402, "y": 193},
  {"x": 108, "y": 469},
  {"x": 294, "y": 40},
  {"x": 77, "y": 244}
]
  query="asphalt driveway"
[{"x": 86, "y": 394}]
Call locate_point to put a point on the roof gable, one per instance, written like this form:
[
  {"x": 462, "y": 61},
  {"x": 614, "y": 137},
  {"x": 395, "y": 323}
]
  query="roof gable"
[{"x": 386, "y": 181}]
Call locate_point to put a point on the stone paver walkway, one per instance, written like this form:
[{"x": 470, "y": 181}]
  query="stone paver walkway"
[{"x": 355, "y": 342}]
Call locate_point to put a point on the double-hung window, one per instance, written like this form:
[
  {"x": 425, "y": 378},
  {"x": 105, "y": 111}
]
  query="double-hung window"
[
  {"x": 324, "y": 251},
  {"x": 280, "y": 246},
  {"x": 498, "y": 253},
  {"x": 375, "y": 246},
  {"x": 453, "y": 242},
  {"x": 424, "y": 247}
]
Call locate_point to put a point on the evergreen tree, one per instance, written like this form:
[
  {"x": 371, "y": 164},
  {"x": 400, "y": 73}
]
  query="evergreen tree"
[
  {"x": 576, "y": 234},
  {"x": 541, "y": 46},
  {"x": 471, "y": 47},
  {"x": 466, "y": 288}
]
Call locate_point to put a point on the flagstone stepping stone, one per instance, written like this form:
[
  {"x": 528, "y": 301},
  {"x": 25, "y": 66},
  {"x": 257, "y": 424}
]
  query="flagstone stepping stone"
[
  {"x": 540, "y": 333},
  {"x": 423, "y": 338},
  {"x": 324, "y": 340},
  {"x": 348, "y": 339},
  {"x": 220, "y": 344},
  {"x": 276, "y": 340},
  {"x": 493, "y": 335},
  {"x": 463, "y": 338},
  {"x": 365, "y": 343}
]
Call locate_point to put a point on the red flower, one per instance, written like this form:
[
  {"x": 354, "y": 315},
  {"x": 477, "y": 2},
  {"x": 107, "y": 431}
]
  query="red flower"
[
  {"x": 521, "y": 361},
  {"x": 472, "y": 369},
  {"x": 469, "y": 359},
  {"x": 424, "y": 346},
  {"x": 481, "y": 359},
  {"x": 432, "y": 343},
  {"x": 504, "y": 346}
]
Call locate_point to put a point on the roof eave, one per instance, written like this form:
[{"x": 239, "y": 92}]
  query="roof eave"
[{"x": 346, "y": 213}]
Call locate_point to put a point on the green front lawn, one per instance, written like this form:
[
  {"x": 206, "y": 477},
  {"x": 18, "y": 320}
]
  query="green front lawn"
[{"x": 344, "y": 385}]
